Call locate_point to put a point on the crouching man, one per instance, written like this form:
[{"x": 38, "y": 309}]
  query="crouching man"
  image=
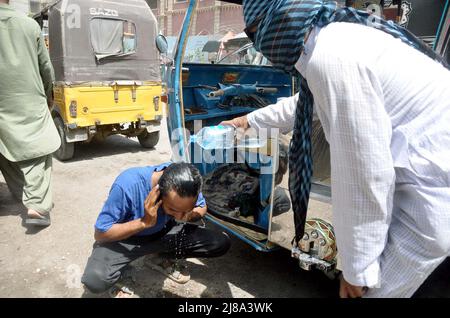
[{"x": 146, "y": 213}]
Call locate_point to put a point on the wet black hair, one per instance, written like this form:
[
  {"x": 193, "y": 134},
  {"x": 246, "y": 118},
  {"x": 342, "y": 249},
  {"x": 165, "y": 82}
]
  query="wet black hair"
[{"x": 183, "y": 178}]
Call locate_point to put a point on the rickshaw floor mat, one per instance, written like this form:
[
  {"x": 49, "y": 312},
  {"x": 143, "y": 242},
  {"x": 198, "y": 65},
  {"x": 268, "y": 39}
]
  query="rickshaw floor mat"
[{"x": 233, "y": 190}]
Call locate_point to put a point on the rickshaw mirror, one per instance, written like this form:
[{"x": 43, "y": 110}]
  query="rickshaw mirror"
[{"x": 161, "y": 44}]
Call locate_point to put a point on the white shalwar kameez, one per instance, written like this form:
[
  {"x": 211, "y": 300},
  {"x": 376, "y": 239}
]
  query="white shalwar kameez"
[{"x": 385, "y": 110}]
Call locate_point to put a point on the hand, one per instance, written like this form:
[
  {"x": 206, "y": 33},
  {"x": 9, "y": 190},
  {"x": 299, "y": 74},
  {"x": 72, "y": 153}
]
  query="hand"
[
  {"x": 151, "y": 206},
  {"x": 192, "y": 216},
  {"x": 350, "y": 291},
  {"x": 239, "y": 122}
]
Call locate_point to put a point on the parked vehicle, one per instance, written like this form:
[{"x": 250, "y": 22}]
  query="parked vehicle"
[{"x": 107, "y": 68}]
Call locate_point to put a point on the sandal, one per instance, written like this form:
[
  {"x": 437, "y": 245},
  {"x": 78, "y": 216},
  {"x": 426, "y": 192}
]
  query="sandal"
[
  {"x": 43, "y": 220},
  {"x": 173, "y": 270},
  {"x": 120, "y": 288}
]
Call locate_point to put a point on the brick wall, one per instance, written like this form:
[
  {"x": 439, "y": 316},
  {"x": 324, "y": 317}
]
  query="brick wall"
[
  {"x": 212, "y": 17},
  {"x": 232, "y": 20}
]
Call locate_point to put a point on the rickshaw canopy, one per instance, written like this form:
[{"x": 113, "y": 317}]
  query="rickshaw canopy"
[{"x": 103, "y": 40}]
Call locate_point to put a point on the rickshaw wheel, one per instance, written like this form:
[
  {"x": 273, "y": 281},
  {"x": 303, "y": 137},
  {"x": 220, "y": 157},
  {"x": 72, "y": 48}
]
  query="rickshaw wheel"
[
  {"x": 148, "y": 140},
  {"x": 66, "y": 150}
]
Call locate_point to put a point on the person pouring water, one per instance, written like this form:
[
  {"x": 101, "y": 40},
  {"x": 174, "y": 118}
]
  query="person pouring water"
[{"x": 386, "y": 120}]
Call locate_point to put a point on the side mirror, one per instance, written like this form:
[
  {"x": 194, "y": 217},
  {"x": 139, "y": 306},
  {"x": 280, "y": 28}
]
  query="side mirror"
[{"x": 161, "y": 44}]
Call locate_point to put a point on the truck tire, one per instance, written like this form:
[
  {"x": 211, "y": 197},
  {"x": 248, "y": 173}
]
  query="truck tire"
[
  {"x": 148, "y": 140},
  {"x": 66, "y": 150}
]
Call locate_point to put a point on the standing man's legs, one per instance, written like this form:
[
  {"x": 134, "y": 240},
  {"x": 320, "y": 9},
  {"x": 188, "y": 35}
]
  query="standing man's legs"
[
  {"x": 13, "y": 177},
  {"x": 30, "y": 181},
  {"x": 418, "y": 239},
  {"x": 404, "y": 267}
]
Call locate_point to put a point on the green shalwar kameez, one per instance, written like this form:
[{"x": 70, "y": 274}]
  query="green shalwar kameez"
[{"x": 28, "y": 136}]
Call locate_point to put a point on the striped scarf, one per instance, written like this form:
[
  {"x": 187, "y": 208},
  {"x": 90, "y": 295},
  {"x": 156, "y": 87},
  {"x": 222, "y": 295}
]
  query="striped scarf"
[{"x": 280, "y": 38}]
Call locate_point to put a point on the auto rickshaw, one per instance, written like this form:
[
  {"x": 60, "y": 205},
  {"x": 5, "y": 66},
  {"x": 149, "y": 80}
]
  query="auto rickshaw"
[
  {"x": 107, "y": 68},
  {"x": 246, "y": 185}
]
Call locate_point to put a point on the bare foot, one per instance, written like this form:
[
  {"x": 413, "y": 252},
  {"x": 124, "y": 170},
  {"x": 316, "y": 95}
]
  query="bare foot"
[
  {"x": 122, "y": 292},
  {"x": 34, "y": 214}
]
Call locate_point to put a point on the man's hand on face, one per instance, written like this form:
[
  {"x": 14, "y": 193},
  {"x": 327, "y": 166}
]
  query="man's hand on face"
[
  {"x": 151, "y": 206},
  {"x": 350, "y": 291}
]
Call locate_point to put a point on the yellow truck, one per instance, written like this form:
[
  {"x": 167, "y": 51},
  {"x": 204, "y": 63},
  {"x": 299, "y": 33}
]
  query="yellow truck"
[{"x": 107, "y": 71}]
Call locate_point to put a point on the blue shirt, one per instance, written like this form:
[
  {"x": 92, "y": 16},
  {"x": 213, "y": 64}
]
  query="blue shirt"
[{"x": 126, "y": 200}]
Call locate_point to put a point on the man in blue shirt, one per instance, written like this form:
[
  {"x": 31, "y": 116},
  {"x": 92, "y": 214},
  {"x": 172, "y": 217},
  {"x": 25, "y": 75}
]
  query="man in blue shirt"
[{"x": 146, "y": 213}]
